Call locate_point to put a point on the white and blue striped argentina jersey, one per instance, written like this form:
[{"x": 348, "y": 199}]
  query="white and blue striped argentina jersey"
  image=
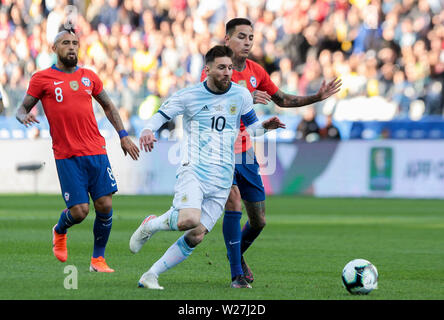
[{"x": 211, "y": 124}]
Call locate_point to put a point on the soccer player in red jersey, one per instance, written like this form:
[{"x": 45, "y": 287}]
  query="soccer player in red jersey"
[
  {"x": 66, "y": 92},
  {"x": 247, "y": 182}
]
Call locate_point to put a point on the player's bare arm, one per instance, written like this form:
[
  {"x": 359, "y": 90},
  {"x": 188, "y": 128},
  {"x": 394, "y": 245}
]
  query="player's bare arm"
[
  {"x": 147, "y": 140},
  {"x": 2, "y": 107},
  {"x": 23, "y": 115},
  {"x": 285, "y": 100},
  {"x": 113, "y": 116}
]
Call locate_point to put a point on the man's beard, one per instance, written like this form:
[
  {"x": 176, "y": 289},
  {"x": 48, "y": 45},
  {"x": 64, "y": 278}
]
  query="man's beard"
[
  {"x": 69, "y": 63},
  {"x": 221, "y": 85}
]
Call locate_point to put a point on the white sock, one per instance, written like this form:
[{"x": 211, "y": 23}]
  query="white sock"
[
  {"x": 175, "y": 254},
  {"x": 167, "y": 221}
]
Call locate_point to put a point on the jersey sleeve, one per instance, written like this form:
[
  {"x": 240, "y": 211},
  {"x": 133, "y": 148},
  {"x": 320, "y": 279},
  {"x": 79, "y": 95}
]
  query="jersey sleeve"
[
  {"x": 265, "y": 84},
  {"x": 97, "y": 84},
  {"x": 173, "y": 106},
  {"x": 247, "y": 102},
  {"x": 35, "y": 87},
  {"x": 249, "y": 118}
]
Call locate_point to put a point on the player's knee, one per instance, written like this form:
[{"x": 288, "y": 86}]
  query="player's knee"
[
  {"x": 188, "y": 219},
  {"x": 103, "y": 204},
  {"x": 234, "y": 201},
  {"x": 79, "y": 211},
  {"x": 187, "y": 223}
]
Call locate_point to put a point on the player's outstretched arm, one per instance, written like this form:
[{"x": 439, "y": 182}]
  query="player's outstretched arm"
[
  {"x": 23, "y": 115},
  {"x": 326, "y": 90},
  {"x": 113, "y": 116}
]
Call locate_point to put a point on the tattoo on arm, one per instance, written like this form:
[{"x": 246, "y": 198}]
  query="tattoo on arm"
[
  {"x": 28, "y": 103},
  {"x": 111, "y": 111},
  {"x": 285, "y": 100}
]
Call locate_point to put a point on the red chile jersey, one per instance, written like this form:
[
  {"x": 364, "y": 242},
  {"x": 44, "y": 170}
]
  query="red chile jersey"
[
  {"x": 67, "y": 102},
  {"x": 253, "y": 77}
]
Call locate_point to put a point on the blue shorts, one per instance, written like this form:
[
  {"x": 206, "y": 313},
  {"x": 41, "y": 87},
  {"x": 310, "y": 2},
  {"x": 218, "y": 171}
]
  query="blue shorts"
[
  {"x": 81, "y": 176},
  {"x": 247, "y": 177}
]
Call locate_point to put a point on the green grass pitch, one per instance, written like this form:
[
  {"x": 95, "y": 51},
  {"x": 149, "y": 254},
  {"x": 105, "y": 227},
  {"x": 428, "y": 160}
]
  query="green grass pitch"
[{"x": 299, "y": 255}]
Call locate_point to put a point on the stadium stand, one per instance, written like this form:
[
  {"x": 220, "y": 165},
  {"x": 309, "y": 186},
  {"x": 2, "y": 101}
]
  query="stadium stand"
[{"x": 389, "y": 54}]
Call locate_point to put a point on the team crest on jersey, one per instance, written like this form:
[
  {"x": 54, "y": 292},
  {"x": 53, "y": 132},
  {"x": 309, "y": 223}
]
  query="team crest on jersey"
[
  {"x": 74, "y": 85},
  {"x": 86, "y": 82},
  {"x": 66, "y": 196},
  {"x": 233, "y": 109},
  {"x": 253, "y": 81}
]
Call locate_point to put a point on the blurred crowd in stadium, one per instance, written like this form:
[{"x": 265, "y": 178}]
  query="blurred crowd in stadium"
[{"x": 389, "y": 53}]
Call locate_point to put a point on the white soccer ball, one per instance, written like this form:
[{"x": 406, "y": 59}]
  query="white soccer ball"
[{"x": 360, "y": 277}]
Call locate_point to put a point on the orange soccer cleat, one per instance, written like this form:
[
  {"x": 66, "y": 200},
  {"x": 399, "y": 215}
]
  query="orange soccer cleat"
[
  {"x": 99, "y": 265},
  {"x": 59, "y": 245}
]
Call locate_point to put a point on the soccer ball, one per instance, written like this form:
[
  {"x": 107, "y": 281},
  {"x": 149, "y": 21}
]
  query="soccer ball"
[{"x": 360, "y": 277}]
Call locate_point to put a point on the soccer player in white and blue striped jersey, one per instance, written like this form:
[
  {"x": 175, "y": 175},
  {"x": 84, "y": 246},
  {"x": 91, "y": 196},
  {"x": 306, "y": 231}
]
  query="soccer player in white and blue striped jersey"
[{"x": 212, "y": 112}]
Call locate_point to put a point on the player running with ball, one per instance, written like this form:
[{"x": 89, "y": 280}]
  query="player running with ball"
[
  {"x": 247, "y": 182},
  {"x": 211, "y": 111}
]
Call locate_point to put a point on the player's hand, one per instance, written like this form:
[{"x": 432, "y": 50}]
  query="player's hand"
[
  {"x": 129, "y": 147},
  {"x": 261, "y": 97},
  {"x": 27, "y": 119},
  {"x": 273, "y": 123},
  {"x": 147, "y": 140},
  {"x": 329, "y": 89}
]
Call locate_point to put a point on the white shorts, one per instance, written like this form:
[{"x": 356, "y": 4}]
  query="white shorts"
[{"x": 190, "y": 192}]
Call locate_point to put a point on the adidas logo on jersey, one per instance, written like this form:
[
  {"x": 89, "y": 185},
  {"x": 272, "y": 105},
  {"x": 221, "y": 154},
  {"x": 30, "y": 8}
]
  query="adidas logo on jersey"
[{"x": 205, "y": 108}]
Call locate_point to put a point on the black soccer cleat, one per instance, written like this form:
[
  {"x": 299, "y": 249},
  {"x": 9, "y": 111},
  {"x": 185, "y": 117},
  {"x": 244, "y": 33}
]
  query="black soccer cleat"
[
  {"x": 247, "y": 271},
  {"x": 240, "y": 282}
]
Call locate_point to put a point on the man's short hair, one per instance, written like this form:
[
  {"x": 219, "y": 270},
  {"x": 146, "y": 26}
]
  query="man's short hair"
[
  {"x": 233, "y": 23},
  {"x": 62, "y": 31},
  {"x": 217, "y": 52}
]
